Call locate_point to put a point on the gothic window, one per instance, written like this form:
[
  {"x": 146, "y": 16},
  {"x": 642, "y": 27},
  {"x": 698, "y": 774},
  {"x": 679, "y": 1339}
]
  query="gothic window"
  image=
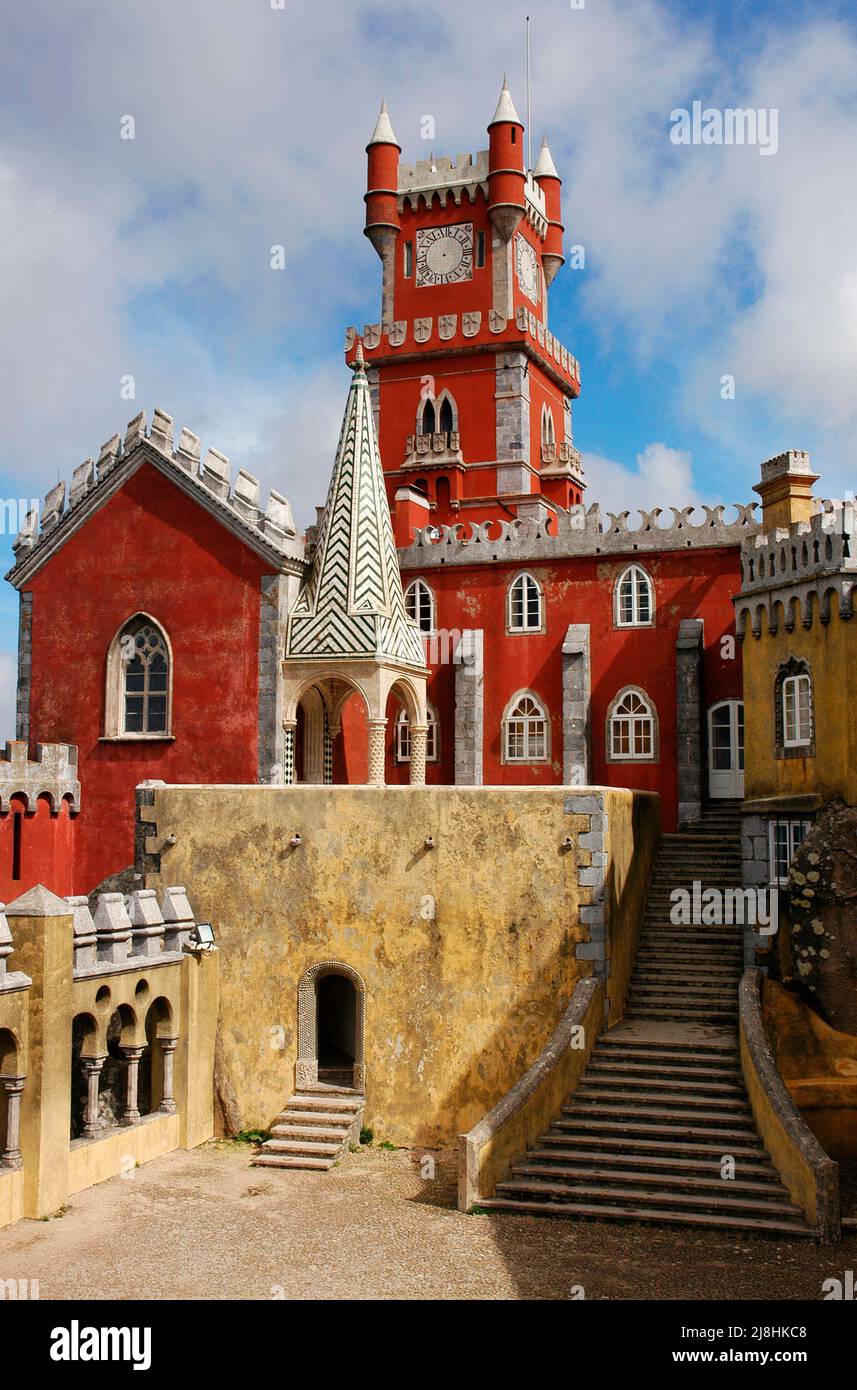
[
  {"x": 437, "y": 415},
  {"x": 526, "y": 731},
  {"x": 548, "y": 430},
  {"x": 426, "y": 417},
  {"x": 403, "y": 737},
  {"x": 632, "y": 728},
  {"x": 634, "y": 599},
  {"x": 445, "y": 418},
  {"x": 525, "y": 608},
  {"x": 139, "y": 681},
  {"x": 794, "y": 730},
  {"x": 419, "y": 605}
]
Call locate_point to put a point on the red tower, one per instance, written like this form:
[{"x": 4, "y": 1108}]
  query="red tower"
[{"x": 472, "y": 391}]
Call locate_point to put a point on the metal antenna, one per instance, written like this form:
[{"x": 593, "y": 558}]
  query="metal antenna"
[{"x": 529, "y": 122}]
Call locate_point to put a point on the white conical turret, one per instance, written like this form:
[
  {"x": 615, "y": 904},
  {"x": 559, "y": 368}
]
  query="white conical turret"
[
  {"x": 383, "y": 134},
  {"x": 545, "y": 167},
  {"x": 505, "y": 107}
]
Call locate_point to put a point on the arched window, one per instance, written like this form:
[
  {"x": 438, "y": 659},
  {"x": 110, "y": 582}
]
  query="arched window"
[
  {"x": 793, "y": 712},
  {"x": 525, "y": 612},
  {"x": 445, "y": 419},
  {"x": 139, "y": 681},
  {"x": 526, "y": 730},
  {"x": 437, "y": 415},
  {"x": 632, "y": 728},
  {"x": 634, "y": 602},
  {"x": 403, "y": 736},
  {"x": 548, "y": 431},
  {"x": 419, "y": 605},
  {"x": 426, "y": 417}
]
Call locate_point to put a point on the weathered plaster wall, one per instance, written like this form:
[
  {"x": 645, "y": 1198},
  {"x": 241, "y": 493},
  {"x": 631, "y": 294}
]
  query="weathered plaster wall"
[{"x": 467, "y": 950}]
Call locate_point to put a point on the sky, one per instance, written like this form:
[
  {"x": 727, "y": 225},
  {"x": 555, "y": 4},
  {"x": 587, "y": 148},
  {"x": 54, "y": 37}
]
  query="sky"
[{"x": 145, "y": 263}]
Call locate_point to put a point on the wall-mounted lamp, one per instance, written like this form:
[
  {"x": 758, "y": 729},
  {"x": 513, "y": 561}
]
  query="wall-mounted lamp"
[
  {"x": 202, "y": 942},
  {"x": 429, "y": 842},
  {"x": 295, "y": 840},
  {"x": 567, "y": 843},
  {"x": 168, "y": 841}
]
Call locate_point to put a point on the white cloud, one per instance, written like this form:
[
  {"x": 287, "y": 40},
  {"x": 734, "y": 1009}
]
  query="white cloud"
[{"x": 663, "y": 477}]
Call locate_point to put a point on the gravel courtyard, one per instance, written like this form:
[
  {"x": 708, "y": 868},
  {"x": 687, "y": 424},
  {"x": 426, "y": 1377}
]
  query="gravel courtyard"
[{"x": 204, "y": 1224}]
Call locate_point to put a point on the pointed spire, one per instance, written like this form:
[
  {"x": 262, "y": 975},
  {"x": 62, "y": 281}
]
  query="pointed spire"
[
  {"x": 352, "y": 604},
  {"x": 545, "y": 167},
  {"x": 505, "y": 108},
  {"x": 383, "y": 134}
]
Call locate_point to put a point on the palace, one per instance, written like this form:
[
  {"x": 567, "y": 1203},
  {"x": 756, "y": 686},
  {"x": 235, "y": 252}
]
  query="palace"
[{"x": 430, "y": 773}]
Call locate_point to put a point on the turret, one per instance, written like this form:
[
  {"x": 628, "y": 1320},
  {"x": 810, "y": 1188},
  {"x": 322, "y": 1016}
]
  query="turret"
[
  {"x": 382, "y": 219},
  {"x": 506, "y": 178},
  {"x": 549, "y": 182}
]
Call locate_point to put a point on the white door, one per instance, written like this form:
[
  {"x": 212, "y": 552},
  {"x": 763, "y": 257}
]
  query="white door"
[{"x": 726, "y": 749}]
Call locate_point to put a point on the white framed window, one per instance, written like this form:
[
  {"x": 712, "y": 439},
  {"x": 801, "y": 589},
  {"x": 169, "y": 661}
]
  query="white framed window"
[
  {"x": 525, "y": 607},
  {"x": 548, "y": 430},
  {"x": 419, "y": 605},
  {"x": 138, "y": 700},
  {"x": 632, "y": 728},
  {"x": 526, "y": 730},
  {"x": 797, "y": 711},
  {"x": 634, "y": 598},
  {"x": 784, "y": 838},
  {"x": 403, "y": 736}
]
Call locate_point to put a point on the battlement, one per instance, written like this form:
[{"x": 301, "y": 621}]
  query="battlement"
[
  {"x": 238, "y": 504},
  {"x": 797, "y": 571},
  {"x": 576, "y": 532},
  {"x": 414, "y": 335},
  {"x": 112, "y": 932},
  {"x": 440, "y": 175},
  {"x": 52, "y": 773}
]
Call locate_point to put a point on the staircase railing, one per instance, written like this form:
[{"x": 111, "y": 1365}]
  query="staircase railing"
[
  {"x": 530, "y": 1107},
  {"x": 810, "y": 1174}
]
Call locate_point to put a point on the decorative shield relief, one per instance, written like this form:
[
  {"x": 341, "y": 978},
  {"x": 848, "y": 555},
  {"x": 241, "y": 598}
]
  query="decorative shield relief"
[
  {"x": 422, "y": 330},
  {"x": 471, "y": 323},
  {"x": 372, "y": 335},
  {"x": 521, "y": 318},
  {"x": 540, "y": 333},
  {"x": 350, "y": 337},
  {"x": 446, "y": 325},
  {"x": 496, "y": 320},
  {"x": 397, "y": 331},
  {"x": 532, "y": 323}
]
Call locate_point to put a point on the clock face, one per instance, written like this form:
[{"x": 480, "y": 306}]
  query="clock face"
[
  {"x": 445, "y": 254},
  {"x": 529, "y": 275}
]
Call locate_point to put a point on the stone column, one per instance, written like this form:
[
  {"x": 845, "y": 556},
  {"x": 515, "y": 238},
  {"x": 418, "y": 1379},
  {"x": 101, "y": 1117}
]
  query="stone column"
[
  {"x": 132, "y": 1055},
  {"x": 576, "y": 684},
  {"x": 168, "y": 1048},
  {"x": 11, "y": 1155},
  {"x": 419, "y": 738},
  {"x": 92, "y": 1125},
  {"x": 289, "y": 752},
  {"x": 688, "y": 668},
  {"x": 328, "y": 751},
  {"x": 377, "y": 751},
  {"x": 469, "y": 676}
]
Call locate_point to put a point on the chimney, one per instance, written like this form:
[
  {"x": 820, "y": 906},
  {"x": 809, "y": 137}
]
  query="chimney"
[{"x": 786, "y": 490}]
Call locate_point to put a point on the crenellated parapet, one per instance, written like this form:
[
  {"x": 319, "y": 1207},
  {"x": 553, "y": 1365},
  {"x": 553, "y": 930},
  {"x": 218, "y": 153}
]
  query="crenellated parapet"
[
  {"x": 800, "y": 573},
  {"x": 270, "y": 527},
  {"x": 449, "y": 332},
  {"x": 10, "y": 980},
  {"x": 579, "y": 531},
  {"x": 121, "y": 933},
  {"x": 52, "y": 773},
  {"x": 441, "y": 175}
]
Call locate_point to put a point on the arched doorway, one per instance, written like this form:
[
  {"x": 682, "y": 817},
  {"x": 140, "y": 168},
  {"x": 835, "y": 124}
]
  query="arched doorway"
[{"x": 331, "y": 1028}]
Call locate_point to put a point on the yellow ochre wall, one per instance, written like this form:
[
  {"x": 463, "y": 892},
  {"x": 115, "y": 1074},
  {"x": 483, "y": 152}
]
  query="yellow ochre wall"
[
  {"x": 467, "y": 950},
  {"x": 831, "y": 650}
]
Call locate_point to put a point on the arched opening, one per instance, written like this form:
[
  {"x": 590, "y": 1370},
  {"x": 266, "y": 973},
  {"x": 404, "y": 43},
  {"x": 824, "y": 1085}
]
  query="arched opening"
[
  {"x": 446, "y": 421},
  {"x": 336, "y": 1030},
  {"x": 331, "y": 999},
  {"x": 11, "y": 1086},
  {"x": 443, "y": 496}
]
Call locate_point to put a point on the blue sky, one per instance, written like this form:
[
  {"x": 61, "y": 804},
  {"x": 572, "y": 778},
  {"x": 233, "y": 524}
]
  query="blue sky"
[{"x": 151, "y": 257}]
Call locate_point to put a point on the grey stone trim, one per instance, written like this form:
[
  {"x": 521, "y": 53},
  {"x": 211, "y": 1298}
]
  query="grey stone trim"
[
  {"x": 688, "y": 676},
  {"x": 576, "y": 708},
  {"x": 794, "y": 1149},
  {"x": 25, "y": 666},
  {"x": 755, "y": 872},
  {"x": 469, "y": 709},
  {"x": 592, "y": 879},
  {"x": 513, "y": 418},
  {"x": 278, "y": 593},
  {"x": 579, "y": 531}
]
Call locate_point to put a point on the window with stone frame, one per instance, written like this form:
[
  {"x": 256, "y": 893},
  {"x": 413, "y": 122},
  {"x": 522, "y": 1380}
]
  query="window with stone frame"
[
  {"x": 632, "y": 728},
  {"x": 634, "y": 598},
  {"x": 525, "y": 610},
  {"x": 794, "y": 721},
  {"x": 526, "y": 730},
  {"x": 139, "y": 681},
  {"x": 419, "y": 605},
  {"x": 784, "y": 839}
]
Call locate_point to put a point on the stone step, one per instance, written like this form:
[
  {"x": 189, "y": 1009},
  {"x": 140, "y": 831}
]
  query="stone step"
[
  {"x": 315, "y": 1147},
  {"x": 645, "y": 1014},
  {"x": 619, "y": 1211},
  {"x": 671, "y": 1109},
  {"x": 765, "y": 1188},
  {"x": 313, "y": 1117},
  {"x": 635, "y": 1127},
  {"x": 313, "y": 1100},
  {"x": 671, "y": 1053},
  {"x": 630, "y": 1084},
  {"x": 662, "y": 1166},
  {"x": 309, "y": 1131},
  {"x": 747, "y": 1150},
  {"x": 684, "y": 1077},
  {"x": 699, "y": 1200},
  {"x": 284, "y": 1161}
]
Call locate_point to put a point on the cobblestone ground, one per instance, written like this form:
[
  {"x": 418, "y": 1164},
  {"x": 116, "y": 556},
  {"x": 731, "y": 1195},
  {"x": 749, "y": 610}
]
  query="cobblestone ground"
[{"x": 206, "y": 1225}]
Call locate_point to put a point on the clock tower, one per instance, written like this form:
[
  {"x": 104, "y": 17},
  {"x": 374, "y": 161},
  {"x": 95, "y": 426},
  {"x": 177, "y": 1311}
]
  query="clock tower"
[{"x": 472, "y": 392}]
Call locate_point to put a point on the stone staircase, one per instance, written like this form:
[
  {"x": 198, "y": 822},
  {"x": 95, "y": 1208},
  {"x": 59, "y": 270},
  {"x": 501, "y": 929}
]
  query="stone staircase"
[
  {"x": 662, "y": 1102},
  {"x": 313, "y": 1129}
]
